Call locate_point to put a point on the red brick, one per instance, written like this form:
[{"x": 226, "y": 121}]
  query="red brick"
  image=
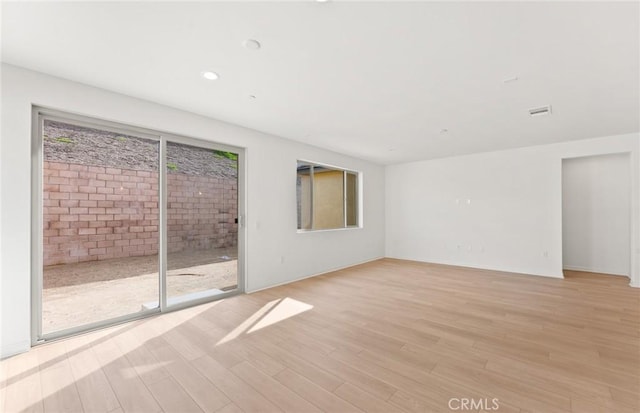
[
  {"x": 50, "y": 188},
  {"x": 86, "y": 231},
  {"x": 58, "y": 166},
  {"x": 78, "y": 252},
  {"x": 87, "y": 175},
  {"x": 96, "y": 251},
  {"x": 79, "y": 182},
  {"x": 69, "y": 174},
  {"x": 58, "y": 195},
  {"x": 103, "y": 190},
  {"x": 79, "y": 197},
  {"x": 52, "y": 202},
  {"x": 59, "y": 225},
  {"x": 58, "y": 180},
  {"x": 96, "y": 183},
  {"x": 105, "y": 204},
  {"x": 79, "y": 224},
  {"x": 57, "y": 210},
  {"x": 87, "y": 189},
  {"x": 77, "y": 167}
]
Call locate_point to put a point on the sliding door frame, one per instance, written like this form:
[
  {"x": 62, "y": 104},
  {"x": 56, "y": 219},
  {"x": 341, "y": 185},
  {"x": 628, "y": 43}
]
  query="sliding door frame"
[
  {"x": 39, "y": 115},
  {"x": 167, "y": 137}
]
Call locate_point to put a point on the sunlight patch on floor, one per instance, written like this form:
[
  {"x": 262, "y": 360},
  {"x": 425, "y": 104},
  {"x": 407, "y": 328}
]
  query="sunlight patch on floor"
[
  {"x": 287, "y": 308},
  {"x": 271, "y": 313},
  {"x": 236, "y": 332}
]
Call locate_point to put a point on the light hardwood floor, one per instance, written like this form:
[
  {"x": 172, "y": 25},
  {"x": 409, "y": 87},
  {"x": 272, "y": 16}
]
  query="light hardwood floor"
[{"x": 385, "y": 336}]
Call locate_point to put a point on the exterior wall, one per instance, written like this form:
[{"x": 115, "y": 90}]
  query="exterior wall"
[
  {"x": 328, "y": 199},
  {"x": 97, "y": 213}
]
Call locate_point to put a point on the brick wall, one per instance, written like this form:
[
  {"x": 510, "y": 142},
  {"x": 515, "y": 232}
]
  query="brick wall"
[
  {"x": 202, "y": 212},
  {"x": 95, "y": 213}
]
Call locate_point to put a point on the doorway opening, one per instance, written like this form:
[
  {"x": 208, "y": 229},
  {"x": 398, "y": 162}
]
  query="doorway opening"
[{"x": 596, "y": 214}]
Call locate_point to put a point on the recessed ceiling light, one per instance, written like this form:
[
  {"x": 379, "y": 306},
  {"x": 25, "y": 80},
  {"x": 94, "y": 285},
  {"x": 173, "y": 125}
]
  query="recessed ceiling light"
[
  {"x": 252, "y": 96},
  {"x": 510, "y": 79},
  {"x": 442, "y": 131},
  {"x": 251, "y": 44},
  {"x": 322, "y": 1},
  {"x": 210, "y": 75}
]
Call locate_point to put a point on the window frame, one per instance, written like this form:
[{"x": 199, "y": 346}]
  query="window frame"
[{"x": 358, "y": 193}]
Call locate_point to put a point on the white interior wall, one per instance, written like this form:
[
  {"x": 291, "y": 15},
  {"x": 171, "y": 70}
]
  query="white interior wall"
[
  {"x": 513, "y": 219},
  {"x": 276, "y": 253},
  {"x": 595, "y": 213}
]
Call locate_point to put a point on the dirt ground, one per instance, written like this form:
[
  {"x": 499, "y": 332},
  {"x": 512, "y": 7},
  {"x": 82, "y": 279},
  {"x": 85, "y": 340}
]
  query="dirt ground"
[{"x": 76, "y": 294}]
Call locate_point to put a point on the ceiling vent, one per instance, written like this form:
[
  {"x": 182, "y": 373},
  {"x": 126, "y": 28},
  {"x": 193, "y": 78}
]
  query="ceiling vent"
[{"x": 544, "y": 110}]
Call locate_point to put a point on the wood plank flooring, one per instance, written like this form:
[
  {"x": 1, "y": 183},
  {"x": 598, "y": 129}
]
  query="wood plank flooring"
[{"x": 387, "y": 336}]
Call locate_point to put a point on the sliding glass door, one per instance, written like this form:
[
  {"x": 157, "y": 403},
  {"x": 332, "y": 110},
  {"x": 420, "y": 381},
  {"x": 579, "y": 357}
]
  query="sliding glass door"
[
  {"x": 128, "y": 222},
  {"x": 202, "y": 229}
]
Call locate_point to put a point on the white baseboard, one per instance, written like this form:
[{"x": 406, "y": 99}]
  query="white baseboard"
[
  {"x": 594, "y": 270},
  {"x": 12, "y": 349},
  {"x": 507, "y": 270},
  {"x": 312, "y": 275}
]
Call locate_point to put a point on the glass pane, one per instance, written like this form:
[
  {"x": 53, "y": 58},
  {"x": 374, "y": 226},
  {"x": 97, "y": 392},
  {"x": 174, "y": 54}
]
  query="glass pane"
[
  {"x": 303, "y": 195},
  {"x": 100, "y": 221},
  {"x": 352, "y": 199},
  {"x": 328, "y": 198},
  {"x": 202, "y": 208}
]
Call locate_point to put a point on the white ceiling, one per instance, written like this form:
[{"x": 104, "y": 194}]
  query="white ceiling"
[{"x": 378, "y": 80}]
